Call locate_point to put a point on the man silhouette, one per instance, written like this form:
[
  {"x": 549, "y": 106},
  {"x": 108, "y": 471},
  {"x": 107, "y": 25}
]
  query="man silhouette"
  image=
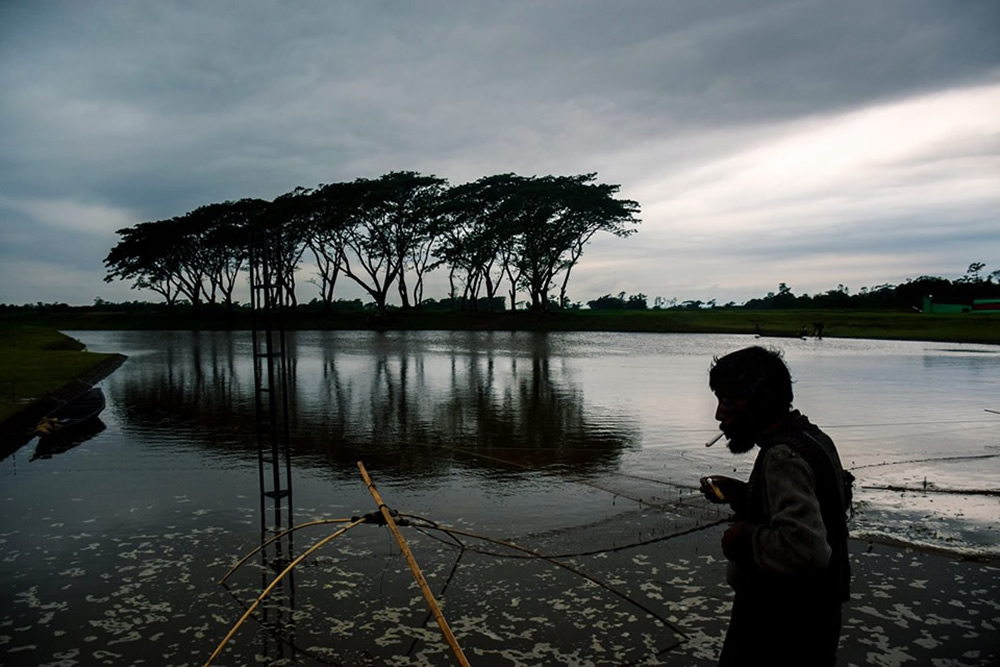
[{"x": 787, "y": 545}]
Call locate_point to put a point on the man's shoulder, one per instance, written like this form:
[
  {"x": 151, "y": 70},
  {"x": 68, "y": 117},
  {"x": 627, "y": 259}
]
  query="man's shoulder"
[
  {"x": 804, "y": 441},
  {"x": 780, "y": 453},
  {"x": 798, "y": 430}
]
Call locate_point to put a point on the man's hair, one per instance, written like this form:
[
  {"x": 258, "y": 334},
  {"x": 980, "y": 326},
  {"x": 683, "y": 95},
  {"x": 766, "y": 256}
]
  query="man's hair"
[{"x": 756, "y": 374}]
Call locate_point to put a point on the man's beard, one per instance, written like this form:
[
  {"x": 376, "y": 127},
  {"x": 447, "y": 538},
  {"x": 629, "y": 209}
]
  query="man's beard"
[
  {"x": 742, "y": 437},
  {"x": 742, "y": 433},
  {"x": 740, "y": 443}
]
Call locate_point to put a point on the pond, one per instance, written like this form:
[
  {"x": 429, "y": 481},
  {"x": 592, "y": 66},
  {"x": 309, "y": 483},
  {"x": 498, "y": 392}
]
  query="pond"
[{"x": 113, "y": 544}]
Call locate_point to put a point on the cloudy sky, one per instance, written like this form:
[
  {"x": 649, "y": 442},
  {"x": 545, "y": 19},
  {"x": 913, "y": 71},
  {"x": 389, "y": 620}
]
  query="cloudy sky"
[{"x": 814, "y": 143}]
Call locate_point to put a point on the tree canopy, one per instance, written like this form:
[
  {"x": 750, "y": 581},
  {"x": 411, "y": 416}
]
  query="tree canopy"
[{"x": 526, "y": 231}]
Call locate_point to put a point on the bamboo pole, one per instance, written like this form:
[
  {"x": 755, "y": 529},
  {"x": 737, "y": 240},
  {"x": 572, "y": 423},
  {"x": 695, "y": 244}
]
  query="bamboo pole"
[
  {"x": 318, "y": 522},
  {"x": 274, "y": 583},
  {"x": 414, "y": 568}
]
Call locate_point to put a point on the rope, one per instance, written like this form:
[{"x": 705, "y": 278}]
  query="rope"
[
  {"x": 577, "y": 554},
  {"x": 444, "y": 589},
  {"x": 550, "y": 559},
  {"x": 971, "y": 457},
  {"x": 957, "y": 492}
]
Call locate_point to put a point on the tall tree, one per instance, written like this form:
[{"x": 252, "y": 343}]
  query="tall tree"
[
  {"x": 334, "y": 212},
  {"x": 972, "y": 273},
  {"x": 159, "y": 255},
  {"x": 139, "y": 257},
  {"x": 555, "y": 217},
  {"x": 217, "y": 235},
  {"x": 392, "y": 219},
  {"x": 280, "y": 231},
  {"x": 476, "y": 235},
  {"x": 591, "y": 208}
]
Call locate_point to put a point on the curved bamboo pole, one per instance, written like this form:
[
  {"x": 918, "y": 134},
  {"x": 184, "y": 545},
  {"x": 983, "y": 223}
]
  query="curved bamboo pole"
[
  {"x": 318, "y": 522},
  {"x": 274, "y": 583},
  {"x": 415, "y": 569}
]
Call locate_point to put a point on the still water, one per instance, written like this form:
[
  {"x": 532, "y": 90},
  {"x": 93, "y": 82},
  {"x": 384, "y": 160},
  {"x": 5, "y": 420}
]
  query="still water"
[{"x": 112, "y": 548}]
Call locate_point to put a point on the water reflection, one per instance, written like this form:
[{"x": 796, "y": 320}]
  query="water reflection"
[
  {"x": 10, "y": 442},
  {"x": 50, "y": 446},
  {"x": 197, "y": 384},
  {"x": 974, "y": 362},
  {"x": 412, "y": 405},
  {"x": 431, "y": 408}
]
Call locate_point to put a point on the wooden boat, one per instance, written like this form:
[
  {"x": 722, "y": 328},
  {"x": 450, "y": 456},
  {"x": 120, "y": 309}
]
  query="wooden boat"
[
  {"x": 71, "y": 416},
  {"x": 62, "y": 442}
]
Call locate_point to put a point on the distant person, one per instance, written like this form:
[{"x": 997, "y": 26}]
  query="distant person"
[
  {"x": 787, "y": 545},
  {"x": 818, "y": 329}
]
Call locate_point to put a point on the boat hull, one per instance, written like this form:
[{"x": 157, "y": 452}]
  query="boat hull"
[{"x": 73, "y": 415}]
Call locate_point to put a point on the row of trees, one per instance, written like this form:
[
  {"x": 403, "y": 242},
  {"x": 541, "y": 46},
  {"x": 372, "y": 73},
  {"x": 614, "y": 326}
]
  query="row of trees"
[
  {"x": 975, "y": 284},
  {"x": 620, "y": 302},
  {"x": 503, "y": 231}
]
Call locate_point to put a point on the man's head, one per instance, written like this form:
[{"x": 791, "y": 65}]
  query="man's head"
[{"x": 754, "y": 389}]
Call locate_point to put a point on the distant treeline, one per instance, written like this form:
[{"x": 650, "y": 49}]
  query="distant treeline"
[
  {"x": 522, "y": 234},
  {"x": 975, "y": 284},
  {"x": 907, "y": 296}
]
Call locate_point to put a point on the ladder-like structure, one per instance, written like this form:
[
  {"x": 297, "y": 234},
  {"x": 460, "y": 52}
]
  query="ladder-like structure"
[{"x": 269, "y": 299}]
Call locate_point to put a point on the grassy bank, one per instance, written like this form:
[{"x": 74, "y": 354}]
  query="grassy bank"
[
  {"x": 969, "y": 328},
  {"x": 37, "y": 361}
]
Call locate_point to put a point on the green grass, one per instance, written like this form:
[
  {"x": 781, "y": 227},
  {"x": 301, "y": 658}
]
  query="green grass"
[
  {"x": 967, "y": 327},
  {"x": 35, "y": 361}
]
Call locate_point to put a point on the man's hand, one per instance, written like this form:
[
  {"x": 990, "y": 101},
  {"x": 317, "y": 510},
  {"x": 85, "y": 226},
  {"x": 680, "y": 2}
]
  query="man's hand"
[
  {"x": 722, "y": 489},
  {"x": 737, "y": 541}
]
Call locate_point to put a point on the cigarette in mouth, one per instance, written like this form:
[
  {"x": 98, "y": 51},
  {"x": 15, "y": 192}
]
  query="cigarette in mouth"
[{"x": 715, "y": 440}]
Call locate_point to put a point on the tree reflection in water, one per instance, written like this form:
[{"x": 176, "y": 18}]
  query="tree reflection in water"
[{"x": 413, "y": 404}]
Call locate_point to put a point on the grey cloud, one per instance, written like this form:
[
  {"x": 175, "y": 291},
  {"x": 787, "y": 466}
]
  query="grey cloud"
[
  {"x": 156, "y": 108},
  {"x": 953, "y": 236}
]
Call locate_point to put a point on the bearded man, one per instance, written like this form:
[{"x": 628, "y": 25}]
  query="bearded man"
[{"x": 787, "y": 546}]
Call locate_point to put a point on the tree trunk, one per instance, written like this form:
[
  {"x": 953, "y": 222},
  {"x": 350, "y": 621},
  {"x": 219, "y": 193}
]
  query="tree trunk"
[{"x": 404, "y": 295}]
